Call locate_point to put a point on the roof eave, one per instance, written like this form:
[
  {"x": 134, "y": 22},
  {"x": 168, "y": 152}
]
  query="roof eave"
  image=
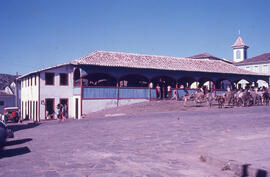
[
  {"x": 45, "y": 69},
  {"x": 172, "y": 69}
]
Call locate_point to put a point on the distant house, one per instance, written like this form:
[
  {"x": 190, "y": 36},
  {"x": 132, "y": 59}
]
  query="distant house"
[
  {"x": 9, "y": 94},
  {"x": 258, "y": 64}
]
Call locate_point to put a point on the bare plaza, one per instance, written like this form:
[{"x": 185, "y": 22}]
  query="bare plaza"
[{"x": 166, "y": 139}]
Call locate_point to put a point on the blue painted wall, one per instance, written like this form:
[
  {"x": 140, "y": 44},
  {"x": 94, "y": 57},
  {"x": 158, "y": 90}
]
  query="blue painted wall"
[
  {"x": 133, "y": 93},
  {"x": 99, "y": 93}
]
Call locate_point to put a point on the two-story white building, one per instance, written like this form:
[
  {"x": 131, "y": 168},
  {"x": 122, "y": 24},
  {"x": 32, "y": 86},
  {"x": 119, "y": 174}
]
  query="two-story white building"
[{"x": 42, "y": 90}]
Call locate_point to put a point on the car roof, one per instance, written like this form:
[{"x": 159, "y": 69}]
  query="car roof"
[{"x": 11, "y": 108}]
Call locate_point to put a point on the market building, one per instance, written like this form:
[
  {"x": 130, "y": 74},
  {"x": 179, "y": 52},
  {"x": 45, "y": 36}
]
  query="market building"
[{"x": 108, "y": 79}]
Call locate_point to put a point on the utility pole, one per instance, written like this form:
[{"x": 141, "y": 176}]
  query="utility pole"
[{"x": 16, "y": 90}]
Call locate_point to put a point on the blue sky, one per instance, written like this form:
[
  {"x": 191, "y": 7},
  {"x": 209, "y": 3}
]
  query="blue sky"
[{"x": 35, "y": 34}]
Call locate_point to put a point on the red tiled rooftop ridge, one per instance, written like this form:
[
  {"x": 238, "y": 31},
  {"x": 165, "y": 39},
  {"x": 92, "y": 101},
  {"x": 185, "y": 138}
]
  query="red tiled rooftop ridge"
[
  {"x": 204, "y": 55},
  {"x": 120, "y": 59},
  {"x": 239, "y": 43},
  {"x": 257, "y": 59}
]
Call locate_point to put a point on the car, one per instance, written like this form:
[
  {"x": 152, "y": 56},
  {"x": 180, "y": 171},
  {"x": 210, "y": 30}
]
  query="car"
[
  {"x": 4, "y": 133},
  {"x": 12, "y": 114}
]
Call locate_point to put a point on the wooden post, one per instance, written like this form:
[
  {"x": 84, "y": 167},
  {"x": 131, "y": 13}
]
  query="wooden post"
[
  {"x": 81, "y": 84},
  {"x": 149, "y": 93},
  {"x": 117, "y": 94}
]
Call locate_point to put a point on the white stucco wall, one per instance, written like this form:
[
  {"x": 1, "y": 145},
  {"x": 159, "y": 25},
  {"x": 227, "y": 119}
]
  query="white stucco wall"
[
  {"x": 89, "y": 106},
  {"x": 40, "y": 92},
  {"x": 260, "y": 67},
  {"x": 57, "y": 91},
  {"x": 73, "y": 107},
  {"x": 29, "y": 95},
  {"x": 263, "y": 68},
  {"x": 242, "y": 51}
]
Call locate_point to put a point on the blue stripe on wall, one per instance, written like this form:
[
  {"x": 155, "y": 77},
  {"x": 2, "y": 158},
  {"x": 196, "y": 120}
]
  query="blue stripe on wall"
[
  {"x": 221, "y": 91},
  {"x": 181, "y": 92},
  {"x": 153, "y": 93},
  {"x": 99, "y": 92},
  {"x": 76, "y": 91},
  {"x": 133, "y": 93}
]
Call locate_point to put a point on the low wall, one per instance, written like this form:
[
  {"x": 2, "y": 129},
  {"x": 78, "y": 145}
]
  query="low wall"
[{"x": 89, "y": 106}]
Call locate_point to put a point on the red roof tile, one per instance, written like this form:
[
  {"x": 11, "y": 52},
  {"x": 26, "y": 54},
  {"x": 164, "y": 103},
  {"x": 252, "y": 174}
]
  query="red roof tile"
[
  {"x": 204, "y": 56},
  {"x": 117, "y": 59},
  {"x": 263, "y": 58},
  {"x": 239, "y": 43}
]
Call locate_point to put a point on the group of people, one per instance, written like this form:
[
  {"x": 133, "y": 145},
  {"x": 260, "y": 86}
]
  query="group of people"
[
  {"x": 62, "y": 113},
  {"x": 163, "y": 90}
]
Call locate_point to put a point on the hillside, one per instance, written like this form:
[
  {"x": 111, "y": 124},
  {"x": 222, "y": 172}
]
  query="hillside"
[{"x": 6, "y": 79}]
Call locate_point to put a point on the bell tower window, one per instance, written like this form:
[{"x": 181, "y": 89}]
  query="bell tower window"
[{"x": 238, "y": 54}]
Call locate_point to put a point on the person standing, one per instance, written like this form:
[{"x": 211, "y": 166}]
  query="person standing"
[
  {"x": 65, "y": 111},
  {"x": 169, "y": 91},
  {"x": 162, "y": 88},
  {"x": 175, "y": 95},
  {"x": 19, "y": 116},
  {"x": 158, "y": 90},
  {"x": 59, "y": 112}
]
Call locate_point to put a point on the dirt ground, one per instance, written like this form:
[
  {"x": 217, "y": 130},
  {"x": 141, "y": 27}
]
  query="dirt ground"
[{"x": 157, "y": 106}]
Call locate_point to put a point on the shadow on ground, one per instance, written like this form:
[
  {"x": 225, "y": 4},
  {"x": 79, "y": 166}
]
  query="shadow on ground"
[
  {"x": 4, "y": 153},
  {"x": 14, "y": 152},
  {"x": 17, "y": 127},
  {"x": 259, "y": 173},
  {"x": 15, "y": 142}
]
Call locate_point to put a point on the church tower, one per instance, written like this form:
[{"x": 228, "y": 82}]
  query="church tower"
[{"x": 239, "y": 50}]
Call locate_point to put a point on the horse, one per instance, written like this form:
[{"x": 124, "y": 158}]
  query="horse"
[
  {"x": 229, "y": 97},
  {"x": 197, "y": 97}
]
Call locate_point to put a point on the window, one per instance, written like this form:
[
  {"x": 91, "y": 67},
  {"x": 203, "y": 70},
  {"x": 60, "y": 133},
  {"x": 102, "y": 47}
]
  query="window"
[
  {"x": 2, "y": 103},
  {"x": 238, "y": 54},
  {"x": 76, "y": 77},
  {"x": 63, "y": 79},
  {"x": 35, "y": 79},
  {"x": 31, "y": 80},
  {"x": 49, "y": 78},
  {"x": 256, "y": 69},
  {"x": 265, "y": 69}
]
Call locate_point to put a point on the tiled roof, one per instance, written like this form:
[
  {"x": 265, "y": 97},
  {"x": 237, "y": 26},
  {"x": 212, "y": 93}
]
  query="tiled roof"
[
  {"x": 118, "y": 59},
  {"x": 264, "y": 58},
  {"x": 239, "y": 43},
  {"x": 210, "y": 57},
  {"x": 3, "y": 93},
  {"x": 204, "y": 56},
  {"x": 44, "y": 69}
]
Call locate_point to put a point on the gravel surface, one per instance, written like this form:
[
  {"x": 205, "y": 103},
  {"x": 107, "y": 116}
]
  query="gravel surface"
[{"x": 143, "y": 140}]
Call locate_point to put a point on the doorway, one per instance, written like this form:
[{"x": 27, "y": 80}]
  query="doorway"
[
  {"x": 64, "y": 101},
  {"x": 49, "y": 108},
  {"x": 76, "y": 108}
]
